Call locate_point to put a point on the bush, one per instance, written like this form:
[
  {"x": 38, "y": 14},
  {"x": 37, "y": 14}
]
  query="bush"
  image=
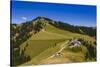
[{"x": 91, "y": 54}]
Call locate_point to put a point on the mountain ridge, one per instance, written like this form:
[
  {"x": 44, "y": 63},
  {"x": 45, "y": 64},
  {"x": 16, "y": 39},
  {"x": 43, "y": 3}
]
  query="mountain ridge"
[
  {"x": 27, "y": 37},
  {"x": 61, "y": 25}
]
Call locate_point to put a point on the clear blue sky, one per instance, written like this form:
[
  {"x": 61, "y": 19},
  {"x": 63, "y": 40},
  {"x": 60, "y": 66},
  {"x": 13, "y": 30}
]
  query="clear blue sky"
[{"x": 83, "y": 15}]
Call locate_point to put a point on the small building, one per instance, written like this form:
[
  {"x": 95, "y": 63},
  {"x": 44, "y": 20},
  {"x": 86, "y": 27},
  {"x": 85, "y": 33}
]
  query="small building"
[{"x": 74, "y": 43}]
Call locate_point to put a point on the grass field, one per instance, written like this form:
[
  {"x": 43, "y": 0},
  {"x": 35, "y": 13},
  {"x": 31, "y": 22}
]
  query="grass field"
[
  {"x": 45, "y": 43},
  {"x": 67, "y": 34},
  {"x": 68, "y": 56},
  {"x": 35, "y": 47}
]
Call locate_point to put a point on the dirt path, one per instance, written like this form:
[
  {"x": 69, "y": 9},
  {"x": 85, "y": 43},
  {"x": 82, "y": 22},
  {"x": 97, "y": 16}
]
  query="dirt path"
[{"x": 63, "y": 46}]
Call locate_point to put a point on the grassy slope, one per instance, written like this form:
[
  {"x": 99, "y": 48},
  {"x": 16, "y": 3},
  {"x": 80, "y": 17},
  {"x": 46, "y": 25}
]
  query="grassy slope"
[
  {"x": 40, "y": 42},
  {"x": 45, "y": 54},
  {"x": 41, "y": 45},
  {"x": 68, "y": 56},
  {"x": 67, "y": 34}
]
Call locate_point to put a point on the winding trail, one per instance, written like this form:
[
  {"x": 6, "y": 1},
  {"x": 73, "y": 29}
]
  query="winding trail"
[{"x": 63, "y": 46}]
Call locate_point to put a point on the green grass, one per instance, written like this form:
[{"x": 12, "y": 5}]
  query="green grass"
[
  {"x": 76, "y": 49},
  {"x": 50, "y": 28},
  {"x": 67, "y": 34},
  {"x": 45, "y": 54},
  {"x": 69, "y": 55},
  {"x": 44, "y": 35},
  {"x": 42, "y": 45},
  {"x": 35, "y": 47}
]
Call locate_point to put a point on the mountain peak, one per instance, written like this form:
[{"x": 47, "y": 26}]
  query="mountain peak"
[{"x": 41, "y": 17}]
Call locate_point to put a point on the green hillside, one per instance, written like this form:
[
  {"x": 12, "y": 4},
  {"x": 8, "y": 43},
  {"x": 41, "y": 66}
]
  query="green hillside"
[
  {"x": 38, "y": 42},
  {"x": 57, "y": 36}
]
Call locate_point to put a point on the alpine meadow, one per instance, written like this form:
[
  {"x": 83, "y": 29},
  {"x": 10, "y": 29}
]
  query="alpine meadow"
[{"x": 51, "y": 33}]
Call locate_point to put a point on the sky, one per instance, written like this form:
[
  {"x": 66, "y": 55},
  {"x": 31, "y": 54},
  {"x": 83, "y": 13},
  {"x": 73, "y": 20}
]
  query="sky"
[{"x": 83, "y": 15}]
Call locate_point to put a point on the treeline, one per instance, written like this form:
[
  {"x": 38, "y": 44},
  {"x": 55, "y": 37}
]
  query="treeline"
[
  {"x": 91, "y": 54},
  {"x": 19, "y": 34},
  {"x": 75, "y": 29}
]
